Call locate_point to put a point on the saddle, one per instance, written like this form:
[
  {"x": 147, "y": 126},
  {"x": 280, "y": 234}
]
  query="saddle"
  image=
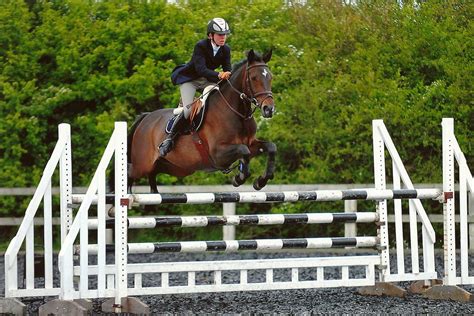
[{"x": 198, "y": 111}]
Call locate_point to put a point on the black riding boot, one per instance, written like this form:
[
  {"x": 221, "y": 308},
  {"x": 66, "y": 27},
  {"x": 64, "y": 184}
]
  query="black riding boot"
[{"x": 178, "y": 127}]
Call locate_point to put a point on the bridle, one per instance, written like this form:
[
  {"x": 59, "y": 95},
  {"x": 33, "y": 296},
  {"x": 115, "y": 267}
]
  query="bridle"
[
  {"x": 253, "y": 95},
  {"x": 252, "y": 99}
]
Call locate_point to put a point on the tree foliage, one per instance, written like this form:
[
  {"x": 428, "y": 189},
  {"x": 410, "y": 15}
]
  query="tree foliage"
[{"x": 336, "y": 68}]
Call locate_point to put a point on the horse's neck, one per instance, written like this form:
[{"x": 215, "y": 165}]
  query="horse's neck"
[
  {"x": 227, "y": 116},
  {"x": 233, "y": 97}
]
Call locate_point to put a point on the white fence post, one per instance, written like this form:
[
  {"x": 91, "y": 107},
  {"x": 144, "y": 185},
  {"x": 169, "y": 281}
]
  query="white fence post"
[
  {"x": 228, "y": 231},
  {"x": 471, "y": 225},
  {"x": 65, "y": 181},
  {"x": 380, "y": 184},
  {"x": 121, "y": 209},
  {"x": 448, "y": 207},
  {"x": 350, "y": 229}
]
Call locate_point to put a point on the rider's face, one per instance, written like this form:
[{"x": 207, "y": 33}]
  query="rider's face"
[{"x": 219, "y": 39}]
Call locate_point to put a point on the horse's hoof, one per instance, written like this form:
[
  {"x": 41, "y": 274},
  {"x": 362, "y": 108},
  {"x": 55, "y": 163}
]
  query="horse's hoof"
[
  {"x": 259, "y": 183},
  {"x": 236, "y": 181},
  {"x": 111, "y": 212}
]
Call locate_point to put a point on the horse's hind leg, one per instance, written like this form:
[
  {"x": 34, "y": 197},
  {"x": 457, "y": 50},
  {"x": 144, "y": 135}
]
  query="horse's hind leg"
[
  {"x": 152, "y": 181},
  {"x": 153, "y": 189},
  {"x": 129, "y": 185},
  {"x": 270, "y": 149}
]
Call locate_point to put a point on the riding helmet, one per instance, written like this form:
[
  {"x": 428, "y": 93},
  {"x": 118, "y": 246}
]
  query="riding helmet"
[{"x": 218, "y": 26}]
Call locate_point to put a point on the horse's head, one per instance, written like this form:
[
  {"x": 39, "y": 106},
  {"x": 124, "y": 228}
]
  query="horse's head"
[{"x": 258, "y": 82}]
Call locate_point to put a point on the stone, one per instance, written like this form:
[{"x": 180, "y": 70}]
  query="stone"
[
  {"x": 12, "y": 306},
  {"x": 130, "y": 305},
  {"x": 448, "y": 292},
  {"x": 63, "y": 307},
  {"x": 382, "y": 288}
]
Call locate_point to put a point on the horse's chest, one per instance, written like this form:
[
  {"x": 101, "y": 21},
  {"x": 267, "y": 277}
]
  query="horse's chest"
[
  {"x": 249, "y": 127},
  {"x": 247, "y": 131}
]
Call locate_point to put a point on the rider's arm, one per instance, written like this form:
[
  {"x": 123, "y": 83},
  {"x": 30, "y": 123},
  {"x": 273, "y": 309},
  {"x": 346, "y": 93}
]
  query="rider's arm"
[
  {"x": 199, "y": 61},
  {"x": 227, "y": 66}
]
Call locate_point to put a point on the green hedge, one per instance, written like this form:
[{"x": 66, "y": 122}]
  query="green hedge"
[{"x": 336, "y": 67}]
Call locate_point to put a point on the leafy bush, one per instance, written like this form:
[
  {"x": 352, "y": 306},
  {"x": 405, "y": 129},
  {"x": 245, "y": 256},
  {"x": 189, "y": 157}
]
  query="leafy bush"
[{"x": 336, "y": 68}]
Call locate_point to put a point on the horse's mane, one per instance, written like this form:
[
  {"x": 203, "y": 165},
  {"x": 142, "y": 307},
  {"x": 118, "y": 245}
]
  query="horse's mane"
[{"x": 240, "y": 63}]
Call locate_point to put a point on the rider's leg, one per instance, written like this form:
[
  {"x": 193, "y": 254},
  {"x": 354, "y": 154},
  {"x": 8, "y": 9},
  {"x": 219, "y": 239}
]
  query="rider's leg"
[{"x": 188, "y": 89}]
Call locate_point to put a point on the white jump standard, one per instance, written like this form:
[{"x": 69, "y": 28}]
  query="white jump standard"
[{"x": 373, "y": 272}]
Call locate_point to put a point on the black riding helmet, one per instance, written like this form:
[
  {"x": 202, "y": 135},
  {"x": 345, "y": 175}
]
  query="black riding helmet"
[{"x": 218, "y": 26}]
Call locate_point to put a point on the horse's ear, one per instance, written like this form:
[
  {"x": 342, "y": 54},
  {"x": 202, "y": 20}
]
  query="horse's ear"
[
  {"x": 250, "y": 56},
  {"x": 267, "y": 56}
]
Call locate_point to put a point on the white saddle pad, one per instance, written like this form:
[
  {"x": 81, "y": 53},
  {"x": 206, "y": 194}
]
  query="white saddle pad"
[{"x": 203, "y": 97}]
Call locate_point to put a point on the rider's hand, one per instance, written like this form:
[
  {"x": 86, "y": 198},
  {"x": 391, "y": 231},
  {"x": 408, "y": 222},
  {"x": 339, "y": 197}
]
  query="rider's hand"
[{"x": 224, "y": 75}]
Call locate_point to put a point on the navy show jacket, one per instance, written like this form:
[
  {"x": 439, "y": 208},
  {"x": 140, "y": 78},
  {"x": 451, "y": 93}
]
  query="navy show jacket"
[{"x": 203, "y": 63}]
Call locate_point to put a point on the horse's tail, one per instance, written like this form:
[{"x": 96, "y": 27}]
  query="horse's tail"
[{"x": 111, "y": 180}]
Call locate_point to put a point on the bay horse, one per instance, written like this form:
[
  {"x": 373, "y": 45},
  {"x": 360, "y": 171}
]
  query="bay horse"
[{"x": 226, "y": 136}]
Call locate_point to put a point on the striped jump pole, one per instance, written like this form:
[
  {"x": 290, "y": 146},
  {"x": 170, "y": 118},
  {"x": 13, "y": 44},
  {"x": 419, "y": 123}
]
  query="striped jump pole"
[
  {"x": 289, "y": 196},
  {"x": 239, "y": 245},
  {"x": 239, "y": 220}
]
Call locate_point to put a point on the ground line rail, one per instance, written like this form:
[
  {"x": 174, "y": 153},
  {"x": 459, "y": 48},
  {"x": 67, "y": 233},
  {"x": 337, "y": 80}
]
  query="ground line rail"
[{"x": 239, "y": 245}]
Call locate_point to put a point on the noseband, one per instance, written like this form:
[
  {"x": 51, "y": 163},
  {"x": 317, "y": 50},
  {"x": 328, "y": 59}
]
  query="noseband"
[{"x": 252, "y": 99}]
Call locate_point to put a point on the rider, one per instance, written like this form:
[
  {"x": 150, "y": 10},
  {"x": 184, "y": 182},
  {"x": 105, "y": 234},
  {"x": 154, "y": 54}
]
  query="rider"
[{"x": 199, "y": 73}]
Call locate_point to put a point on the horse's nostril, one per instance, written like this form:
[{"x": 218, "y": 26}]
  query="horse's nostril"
[{"x": 268, "y": 111}]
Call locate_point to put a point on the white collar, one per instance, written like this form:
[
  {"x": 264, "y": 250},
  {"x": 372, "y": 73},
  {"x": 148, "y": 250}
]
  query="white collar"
[{"x": 215, "y": 47}]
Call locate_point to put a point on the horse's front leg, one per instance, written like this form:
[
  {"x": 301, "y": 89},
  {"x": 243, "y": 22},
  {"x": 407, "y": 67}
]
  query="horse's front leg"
[
  {"x": 231, "y": 154},
  {"x": 259, "y": 147},
  {"x": 244, "y": 171}
]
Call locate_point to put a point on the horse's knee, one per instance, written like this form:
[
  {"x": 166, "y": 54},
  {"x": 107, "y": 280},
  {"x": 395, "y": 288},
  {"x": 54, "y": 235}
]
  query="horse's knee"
[
  {"x": 271, "y": 148},
  {"x": 243, "y": 150}
]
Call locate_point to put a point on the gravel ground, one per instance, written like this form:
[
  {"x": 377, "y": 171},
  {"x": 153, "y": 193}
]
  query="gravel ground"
[{"x": 311, "y": 301}]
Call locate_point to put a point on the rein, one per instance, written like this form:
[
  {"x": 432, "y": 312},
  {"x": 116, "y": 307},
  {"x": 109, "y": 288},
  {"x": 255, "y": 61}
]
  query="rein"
[{"x": 244, "y": 97}]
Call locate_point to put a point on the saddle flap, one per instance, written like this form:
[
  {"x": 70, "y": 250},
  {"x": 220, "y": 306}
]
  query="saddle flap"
[
  {"x": 207, "y": 91},
  {"x": 200, "y": 103},
  {"x": 198, "y": 109}
]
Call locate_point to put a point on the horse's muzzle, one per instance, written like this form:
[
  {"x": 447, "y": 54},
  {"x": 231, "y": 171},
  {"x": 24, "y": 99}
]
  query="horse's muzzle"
[{"x": 268, "y": 110}]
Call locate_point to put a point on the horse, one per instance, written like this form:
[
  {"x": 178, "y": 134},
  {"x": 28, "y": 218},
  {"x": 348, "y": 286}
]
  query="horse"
[{"x": 227, "y": 135}]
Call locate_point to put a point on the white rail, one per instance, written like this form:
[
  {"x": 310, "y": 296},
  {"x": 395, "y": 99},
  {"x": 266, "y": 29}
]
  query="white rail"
[
  {"x": 61, "y": 155},
  {"x": 451, "y": 154},
  {"x": 382, "y": 140},
  {"x": 117, "y": 146}
]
